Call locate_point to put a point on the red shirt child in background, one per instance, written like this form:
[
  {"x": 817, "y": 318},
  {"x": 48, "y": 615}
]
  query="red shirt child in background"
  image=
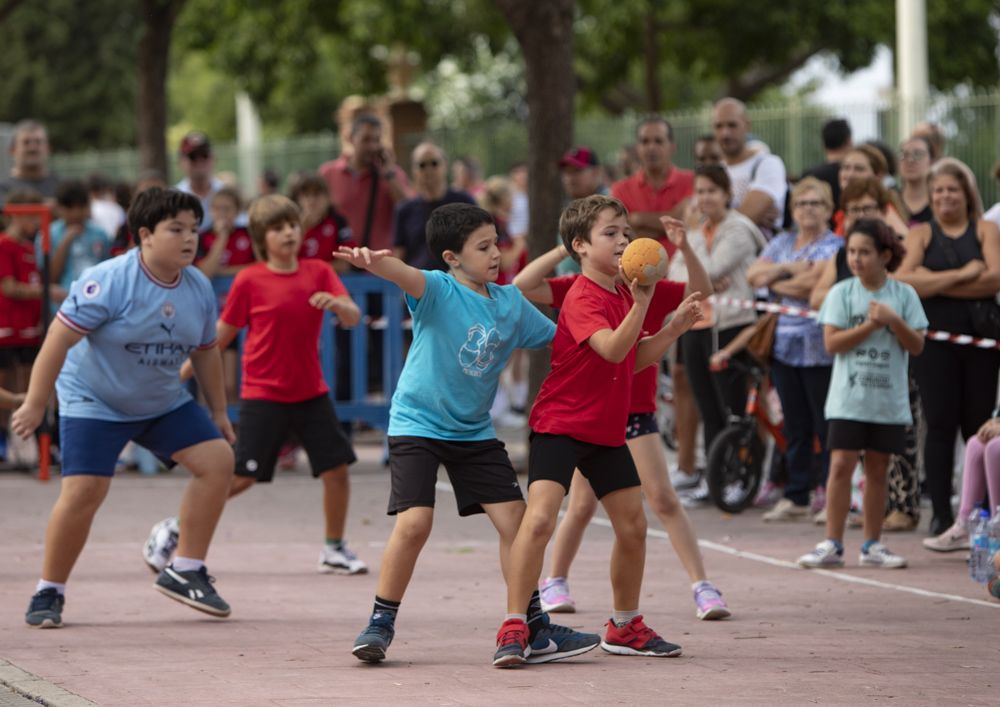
[
  {"x": 20, "y": 292},
  {"x": 325, "y": 228},
  {"x": 227, "y": 248}
]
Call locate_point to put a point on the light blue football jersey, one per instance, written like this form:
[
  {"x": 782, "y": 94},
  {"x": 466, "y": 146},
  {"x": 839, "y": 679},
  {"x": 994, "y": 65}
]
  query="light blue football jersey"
[{"x": 137, "y": 332}]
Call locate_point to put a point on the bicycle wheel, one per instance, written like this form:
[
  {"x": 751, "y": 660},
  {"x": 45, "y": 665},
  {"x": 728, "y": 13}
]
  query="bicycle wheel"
[{"x": 734, "y": 465}]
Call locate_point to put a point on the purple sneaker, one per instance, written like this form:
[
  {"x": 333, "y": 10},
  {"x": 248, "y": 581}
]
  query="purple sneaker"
[
  {"x": 711, "y": 605},
  {"x": 555, "y": 596},
  {"x": 769, "y": 494},
  {"x": 819, "y": 500}
]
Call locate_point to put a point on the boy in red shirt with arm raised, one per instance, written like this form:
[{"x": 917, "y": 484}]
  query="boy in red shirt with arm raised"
[
  {"x": 281, "y": 300},
  {"x": 579, "y": 420}
]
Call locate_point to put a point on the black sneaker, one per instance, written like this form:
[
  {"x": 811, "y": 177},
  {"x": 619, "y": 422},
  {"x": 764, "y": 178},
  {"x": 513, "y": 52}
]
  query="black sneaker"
[
  {"x": 554, "y": 642},
  {"x": 371, "y": 644},
  {"x": 193, "y": 588},
  {"x": 45, "y": 609}
]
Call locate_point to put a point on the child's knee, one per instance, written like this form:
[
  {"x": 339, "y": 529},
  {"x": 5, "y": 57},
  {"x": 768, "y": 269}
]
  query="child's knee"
[
  {"x": 664, "y": 502},
  {"x": 538, "y": 525},
  {"x": 583, "y": 508},
  {"x": 630, "y": 528},
  {"x": 210, "y": 460},
  {"x": 413, "y": 527}
]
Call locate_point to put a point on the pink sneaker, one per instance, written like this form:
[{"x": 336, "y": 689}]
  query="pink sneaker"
[
  {"x": 769, "y": 494},
  {"x": 555, "y": 596},
  {"x": 711, "y": 605},
  {"x": 819, "y": 499}
]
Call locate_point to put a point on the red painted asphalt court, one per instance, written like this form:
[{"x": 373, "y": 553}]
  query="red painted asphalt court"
[{"x": 924, "y": 635}]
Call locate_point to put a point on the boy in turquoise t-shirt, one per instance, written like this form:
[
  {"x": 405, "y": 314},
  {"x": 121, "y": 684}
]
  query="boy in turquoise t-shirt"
[
  {"x": 465, "y": 329},
  {"x": 872, "y": 324}
]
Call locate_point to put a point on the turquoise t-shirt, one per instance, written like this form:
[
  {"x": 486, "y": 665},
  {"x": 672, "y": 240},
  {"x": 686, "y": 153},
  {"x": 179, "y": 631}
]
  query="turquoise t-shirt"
[
  {"x": 869, "y": 383},
  {"x": 461, "y": 343}
]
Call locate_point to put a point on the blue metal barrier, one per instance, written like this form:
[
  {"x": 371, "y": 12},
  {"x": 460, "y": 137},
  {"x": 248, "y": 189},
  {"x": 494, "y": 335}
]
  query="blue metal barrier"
[{"x": 361, "y": 406}]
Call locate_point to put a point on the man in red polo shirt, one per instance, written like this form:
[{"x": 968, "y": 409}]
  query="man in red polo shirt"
[
  {"x": 369, "y": 173},
  {"x": 658, "y": 188}
]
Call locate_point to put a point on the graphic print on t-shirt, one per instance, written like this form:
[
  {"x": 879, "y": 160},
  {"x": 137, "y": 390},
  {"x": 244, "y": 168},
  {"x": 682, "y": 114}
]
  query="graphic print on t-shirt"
[{"x": 479, "y": 350}]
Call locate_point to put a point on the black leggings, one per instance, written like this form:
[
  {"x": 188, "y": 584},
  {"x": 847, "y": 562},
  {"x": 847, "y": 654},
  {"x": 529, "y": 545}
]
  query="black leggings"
[
  {"x": 958, "y": 386},
  {"x": 716, "y": 394}
]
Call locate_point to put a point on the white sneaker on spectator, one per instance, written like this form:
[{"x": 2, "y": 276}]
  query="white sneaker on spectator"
[
  {"x": 698, "y": 496},
  {"x": 785, "y": 510},
  {"x": 681, "y": 479},
  {"x": 825, "y": 554},
  {"x": 954, "y": 538}
]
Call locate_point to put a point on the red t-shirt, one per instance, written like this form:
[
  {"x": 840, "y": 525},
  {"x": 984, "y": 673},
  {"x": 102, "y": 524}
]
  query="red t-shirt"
[
  {"x": 323, "y": 239},
  {"x": 20, "y": 319},
  {"x": 238, "y": 250},
  {"x": 281, "y": 352},
  {"x": 585, "y": 396},
  {"x": 666, "y": 298},
  {"x": 640, "y": 197}
]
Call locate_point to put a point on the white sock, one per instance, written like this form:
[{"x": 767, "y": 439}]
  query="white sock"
[
  {"x": 187, "y": 564},
  {"x": 623, "y": 617},
  {"x": 522, "y": 617},
  {"x": 45, "y": 584},
  {"x": 697, "y": 585}
]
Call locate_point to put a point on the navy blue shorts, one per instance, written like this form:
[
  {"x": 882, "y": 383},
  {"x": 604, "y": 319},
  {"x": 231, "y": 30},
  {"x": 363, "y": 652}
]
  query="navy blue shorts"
[{"x": 91, "y": 447}]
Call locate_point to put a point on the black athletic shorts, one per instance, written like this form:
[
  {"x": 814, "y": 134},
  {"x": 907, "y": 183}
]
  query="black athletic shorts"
[
  {"x": 266, "y": 425},
  {"x": 480, "y": 473},
  {"x": 641, "y": 424},
  {"x": 11, "y": 356},
  {"x": 852, "y": 435},
  {"x": 554, "y": 457}
]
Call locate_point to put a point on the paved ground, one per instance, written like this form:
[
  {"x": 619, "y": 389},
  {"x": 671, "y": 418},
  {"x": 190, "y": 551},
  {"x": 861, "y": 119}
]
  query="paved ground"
[{"x": 925, "y": 635}]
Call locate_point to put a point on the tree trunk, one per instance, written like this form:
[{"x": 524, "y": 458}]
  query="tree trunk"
[
  {"x": 158, "y": 17},
  {"x": 544, "y": 31}
]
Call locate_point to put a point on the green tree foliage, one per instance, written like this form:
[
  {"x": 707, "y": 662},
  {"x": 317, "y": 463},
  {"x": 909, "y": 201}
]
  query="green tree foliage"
[{"x": 71, "y": 65}]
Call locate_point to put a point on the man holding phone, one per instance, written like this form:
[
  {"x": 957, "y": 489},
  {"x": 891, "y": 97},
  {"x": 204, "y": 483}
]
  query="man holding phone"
[{"x": 366, "y": 186}]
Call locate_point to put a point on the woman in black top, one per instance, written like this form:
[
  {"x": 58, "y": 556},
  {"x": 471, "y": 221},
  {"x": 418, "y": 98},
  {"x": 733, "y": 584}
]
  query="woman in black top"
[
  {"x": 915, "y": 164},
  {"x": 954, "y": 264}
]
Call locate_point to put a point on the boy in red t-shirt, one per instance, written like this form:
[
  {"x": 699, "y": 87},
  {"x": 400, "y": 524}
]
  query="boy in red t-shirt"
[
  {"x": 642, "y": 437},
  {"x": 281, "y": 301},
  {"x": 20, "y": 295},
  {"x": 579, "y": 420}
]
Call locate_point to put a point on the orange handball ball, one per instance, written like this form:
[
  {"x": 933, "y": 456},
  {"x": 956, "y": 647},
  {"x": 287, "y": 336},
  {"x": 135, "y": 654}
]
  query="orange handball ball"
[{"x": 645, "y": 260}]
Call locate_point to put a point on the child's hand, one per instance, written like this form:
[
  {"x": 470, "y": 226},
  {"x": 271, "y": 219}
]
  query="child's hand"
[
  {"x": 221, "y": 420},
  {"x": 687, "y": 314},
  {"x": 324, "y": 300},
  {"x": 361, "y": 257},
  {"x": 187, "y": 370},
  {"x": 641, "y": 294},
  {"x": 989, "y": 430},
  {"x": 881, "y": 314},
  {"x": 719, "y": 361},
  {"x": 26, "y": 420},
  {"x": 676, "y": 231}
]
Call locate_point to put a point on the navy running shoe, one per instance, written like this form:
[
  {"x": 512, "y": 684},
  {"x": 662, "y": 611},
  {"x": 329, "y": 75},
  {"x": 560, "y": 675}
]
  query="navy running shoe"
[
  {"x": 45, "y": 609},
  {"x": 371, "y": 645},
  {"x": 193, "y": 588},
  {"x": 554, "y": 642}
]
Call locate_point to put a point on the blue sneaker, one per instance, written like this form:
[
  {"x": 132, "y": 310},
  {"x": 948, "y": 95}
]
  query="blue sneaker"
[
  {"x": 371, "y": 644},
  {"x": 554, "y": 642},
  {"x": 45, "y": 609}
]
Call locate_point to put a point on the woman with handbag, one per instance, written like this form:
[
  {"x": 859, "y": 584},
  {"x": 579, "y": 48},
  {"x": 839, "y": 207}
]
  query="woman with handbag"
[
  {"x": 953, "y": 262},
  {"x": 800, "y": 366}
]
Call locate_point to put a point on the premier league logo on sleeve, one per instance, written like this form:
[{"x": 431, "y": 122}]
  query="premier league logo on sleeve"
[{"x": 91, "y": 289}]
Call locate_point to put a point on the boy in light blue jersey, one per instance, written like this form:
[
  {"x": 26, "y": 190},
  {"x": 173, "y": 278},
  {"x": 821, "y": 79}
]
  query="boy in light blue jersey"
[
  {"x": 465, "y": 328},
  {"x": 77, "y": 243},
  {"x": 119, "y": 340}
]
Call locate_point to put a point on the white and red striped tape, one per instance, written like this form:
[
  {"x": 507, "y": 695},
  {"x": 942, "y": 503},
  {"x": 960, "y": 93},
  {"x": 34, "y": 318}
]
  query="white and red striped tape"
[{"x": 792, "y": 311}]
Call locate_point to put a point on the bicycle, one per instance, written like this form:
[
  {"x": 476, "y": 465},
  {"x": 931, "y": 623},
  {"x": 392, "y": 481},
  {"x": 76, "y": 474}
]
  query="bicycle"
[{"x": 736, "y": 456}]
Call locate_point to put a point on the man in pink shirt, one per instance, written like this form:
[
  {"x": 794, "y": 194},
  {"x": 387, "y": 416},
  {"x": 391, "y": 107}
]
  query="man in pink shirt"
[
  {"x": 370, "y": 173},
  {"x": 658, "y": 188}
]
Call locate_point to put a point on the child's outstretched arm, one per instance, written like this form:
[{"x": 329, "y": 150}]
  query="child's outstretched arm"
[
  {"x": 531, "y": 281},
  {"x": 652, "y": 348},
  {"x": 912, "y": 340},
  {"x": 614, "y": 344},
  {"x": 59, "y": 340},
  {"x": 348, "y": 314},
  {"x": 382, "y": 263},
  {"x": 698, "y": 279}
]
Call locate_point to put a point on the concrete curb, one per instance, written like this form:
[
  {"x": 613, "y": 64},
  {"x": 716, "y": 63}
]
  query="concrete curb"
[{"x": 37, "y": 689}]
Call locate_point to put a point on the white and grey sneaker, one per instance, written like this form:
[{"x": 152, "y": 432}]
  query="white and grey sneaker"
[
  {"x": 193, "y": 588},
  {"x": 879, "y": 555},
  {"x": 160, "y": 545},
  {"x": 682, "y": 480},
  {"x": 696, "y": 496},
  {"x": 340, "y": 560},
  {"x": 825, "y": 554}
]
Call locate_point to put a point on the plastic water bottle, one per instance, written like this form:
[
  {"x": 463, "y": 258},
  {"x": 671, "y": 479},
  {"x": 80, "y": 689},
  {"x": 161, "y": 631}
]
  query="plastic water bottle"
[
  {"x": 993, "y": 532},
  {"x": 979, "y": 559}
]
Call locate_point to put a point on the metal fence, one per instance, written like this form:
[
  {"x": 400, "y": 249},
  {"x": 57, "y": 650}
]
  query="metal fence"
[{"x": 791, "y": 129}]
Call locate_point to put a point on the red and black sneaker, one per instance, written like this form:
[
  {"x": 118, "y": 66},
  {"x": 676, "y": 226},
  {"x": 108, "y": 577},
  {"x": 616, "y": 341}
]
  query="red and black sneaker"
[
  {"x": 636, "y": 638},
  {"x": 512, "y": 644}
]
